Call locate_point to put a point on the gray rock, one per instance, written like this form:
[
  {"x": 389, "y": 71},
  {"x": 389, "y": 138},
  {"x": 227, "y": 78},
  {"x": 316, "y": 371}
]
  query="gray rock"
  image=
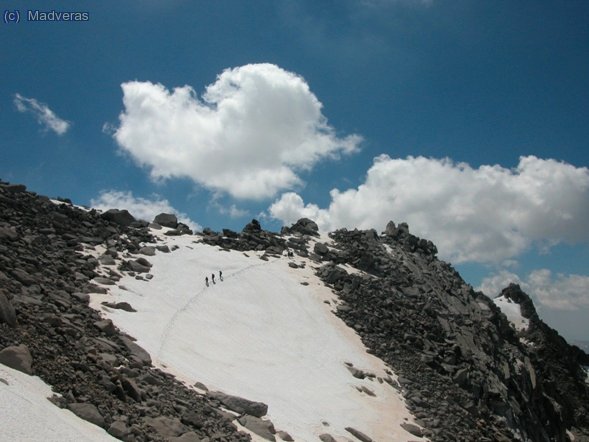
[
  {"x": 253, "y": 226},
  {"x": 82, "y": 297},
  {"x": 147, "y": 250},
  {"x": 119, "y": 429},
  {"x": 321, "y": 249},
  {"x": 120, "y": 217},
  {"x": 23, "y": 277},
  {"x": 107, "y": 260},
  {"x": 240, "y": 405},
  {"x": 174, "y": 232},
  {"x": 166, "y": 426},
  {"x": 262, "y": 428},
  {"x": 120, "y": 306},
  {"x": 88, "y": 412},
  {"x": 136, "y": 350},
  {"x": 17, "y": 357},
  {"x": 303, "y": 226},
  {"x": 327, "y": 438},
  {"x": 390, "y": 229},
  {"x": 131, "y": 389},
  {"x": 413, "y": 429},
  {"x": 193, "y": 419},
  {"x": 9, "y": 233},
  {"x": 106, "y": 326},
  {"x": 104, "y": 281},
  {"x": 136, "y": 266},
  {"x": 284, "y": 436},
  {"x": 164, "y": 249},
  {"x": 358, "y": 434},
  {"x": 190, "y": 436},
  {"x": 7, "y": 313},
  {"x": 166, "y": 220}
]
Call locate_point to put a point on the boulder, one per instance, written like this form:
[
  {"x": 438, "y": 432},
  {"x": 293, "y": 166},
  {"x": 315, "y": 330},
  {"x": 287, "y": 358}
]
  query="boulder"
[
  {"x": 413, "y": 429},
  {"x": 240, "y": 405},
  {"x": 390, "y": 229},
  {"x": 321, "y": 249},
  {"x": 120, "y": 217},
  {"x": 119, "y": 430},
  {"x": 147, "y": 250},
  {"x": 8, "y": 233},
  {"x": 262, "y": 428},
  {"x": 167, "y": 220},
  {"x": 23, "y": 277},
  {"x": 166, "y": 427},
  {"x": 253, "y": 226},
  {"x": 88, "y": 412},
  {"x": 358, "y": 434},
  {"x": 304, "y": 226},
  {"x": 7, "y": 313},
  {"x": 119, "y": 306},
  {"x": 136, "y": 351},
  {"x": 17, "y": 357}
]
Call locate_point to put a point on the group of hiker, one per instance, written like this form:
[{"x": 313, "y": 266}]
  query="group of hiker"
[{"x": 213, "y": 278}]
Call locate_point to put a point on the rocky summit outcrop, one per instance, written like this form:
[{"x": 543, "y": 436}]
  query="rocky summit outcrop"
[
  {"x": 559, "y": 365},
  {"x": 465, "y": 372},
  {"x": 48, "y": 329}
]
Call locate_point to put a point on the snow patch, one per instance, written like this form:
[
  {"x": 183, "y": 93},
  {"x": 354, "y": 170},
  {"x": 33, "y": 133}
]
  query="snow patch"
[
  {"x": 27, "y": 414},
  {"x": 513, "y": 312}
]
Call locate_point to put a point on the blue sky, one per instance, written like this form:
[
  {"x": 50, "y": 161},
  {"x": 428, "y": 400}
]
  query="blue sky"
[{"x": 467, "y": 119}]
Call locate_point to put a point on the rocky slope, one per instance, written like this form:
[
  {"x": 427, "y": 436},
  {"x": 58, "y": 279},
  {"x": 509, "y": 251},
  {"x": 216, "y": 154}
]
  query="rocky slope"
[
  {"x": 47, "y": 328},
  {"x": 464, "y": 371}
]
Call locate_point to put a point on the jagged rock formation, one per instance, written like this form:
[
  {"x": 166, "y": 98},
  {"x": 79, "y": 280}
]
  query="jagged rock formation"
[
  {"x": 466, "y": 373},
  {"x": 558, "y": 364},
  {"x": 102, "y": 375}
]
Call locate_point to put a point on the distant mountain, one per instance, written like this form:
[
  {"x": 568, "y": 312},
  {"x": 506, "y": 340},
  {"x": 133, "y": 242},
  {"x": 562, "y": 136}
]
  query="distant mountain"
[{"x": 468, "y": 368}]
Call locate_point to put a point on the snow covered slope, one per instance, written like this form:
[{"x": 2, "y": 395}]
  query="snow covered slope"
[
  {"x": 259, "y": 334},
  {"x": 513, "y": 312}
]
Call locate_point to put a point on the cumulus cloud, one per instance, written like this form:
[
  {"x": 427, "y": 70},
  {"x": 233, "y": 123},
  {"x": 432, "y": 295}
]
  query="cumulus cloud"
[
  {"x": 487, "y": 214},
  {"x": 559, "y": 292},
  {"x": 254, "y": 130},
  {"x": 232, "y": 211},
  {"x": 140, "y": 208},
  {"x": 44, "y": 116}
]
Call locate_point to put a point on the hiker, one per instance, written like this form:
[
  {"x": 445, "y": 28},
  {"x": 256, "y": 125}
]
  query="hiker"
[
  {"x": 220, "y": 275},
  {"x": 213, "y": 277},
  {"x": 207, "y": 280}
]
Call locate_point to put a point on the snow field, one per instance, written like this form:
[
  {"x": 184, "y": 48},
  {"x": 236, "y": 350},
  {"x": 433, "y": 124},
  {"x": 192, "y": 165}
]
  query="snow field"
[{"x": 261, "y": 335}]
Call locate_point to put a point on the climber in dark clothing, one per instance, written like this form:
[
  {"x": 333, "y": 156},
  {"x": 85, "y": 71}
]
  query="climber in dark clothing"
[
  {"x": 207, "y": 280},
  {"x": 220, "y": 275},
  {"x": 213, "y": 277}
]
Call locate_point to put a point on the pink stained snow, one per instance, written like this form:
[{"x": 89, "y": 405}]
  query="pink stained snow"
[{"x": 261, "y": 335}]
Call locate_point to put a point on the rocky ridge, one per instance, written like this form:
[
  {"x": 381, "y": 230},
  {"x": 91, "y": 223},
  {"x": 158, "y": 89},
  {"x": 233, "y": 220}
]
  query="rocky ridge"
[{"x": 465, "y": 371}]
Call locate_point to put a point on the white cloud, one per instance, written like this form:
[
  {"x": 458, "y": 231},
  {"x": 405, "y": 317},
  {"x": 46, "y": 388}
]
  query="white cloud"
[
  {"x": 559, "y": 292},
  {"x": 232, "y": 211},
  {"x": 140, "y": 208},
  {"x": 45, "y": 116},
  {"x": 253, "y": 131},
  {"x": 489, "y": 214}
]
